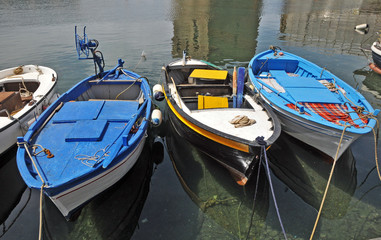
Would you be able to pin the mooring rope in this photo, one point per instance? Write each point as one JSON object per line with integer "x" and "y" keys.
{"x": 329, "y": 181}
{"x": 255, "y": 196}
{"x": 42, "y": 187}
{"x": 40, "y": 222}
{"x": 262, "y": 143}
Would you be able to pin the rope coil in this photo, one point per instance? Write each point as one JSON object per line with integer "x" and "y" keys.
{"x": 91, "y": 161}
{"x": 242, "y": 121}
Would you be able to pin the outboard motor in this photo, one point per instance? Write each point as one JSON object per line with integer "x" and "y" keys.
{"x": 85, "y": 46}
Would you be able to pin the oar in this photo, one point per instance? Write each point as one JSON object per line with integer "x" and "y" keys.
{"x": 292, "y": 100}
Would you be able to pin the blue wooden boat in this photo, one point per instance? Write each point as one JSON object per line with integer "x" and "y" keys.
{"x": 312, "y": 104}
{"x": 88, "y": 138}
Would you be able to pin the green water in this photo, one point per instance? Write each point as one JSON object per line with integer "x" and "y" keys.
{"x": 189, "y": 196}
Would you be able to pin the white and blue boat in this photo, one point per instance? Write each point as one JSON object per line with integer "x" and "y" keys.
{"x": 376, "y": 55}
{"x": 88, "y": 139}
{"x": 312, "y": 104}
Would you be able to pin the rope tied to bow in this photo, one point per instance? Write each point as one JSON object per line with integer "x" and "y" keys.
{"x": 260, "y": 140}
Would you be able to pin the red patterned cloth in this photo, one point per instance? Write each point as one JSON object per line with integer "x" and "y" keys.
{"x": 331, "y": 112}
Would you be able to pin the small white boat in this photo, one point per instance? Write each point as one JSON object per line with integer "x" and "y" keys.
{"x": 25, "y": 91}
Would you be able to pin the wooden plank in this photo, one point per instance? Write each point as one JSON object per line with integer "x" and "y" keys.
{"x": 209, "y": 74}
{"x": 207, "y": 102}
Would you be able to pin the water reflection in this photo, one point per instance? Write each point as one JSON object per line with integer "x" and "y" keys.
{"x": 111, "y": 215}
{"x": 329, "y": 24}
{"x": 305, "y": 171}
{"x": 216, "y": 29}
{"x": 12, "y": 187}
{"x": 371, "y": 81}
{"x": 211, "y": 187}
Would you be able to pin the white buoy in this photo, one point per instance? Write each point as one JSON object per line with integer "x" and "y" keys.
{"x": 158, "y": 92}
{"x": 362, "y": 26}
{"x": 156, "y": 117}
{"x": 143, "y": 56}
{"x": 362, "y": 32}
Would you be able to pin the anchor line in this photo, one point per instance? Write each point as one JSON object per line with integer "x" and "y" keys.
{"x": 262, "y": 143}
{"x": 328, "y": 183}
{"x": 255, "y": 196}
{"x": 41, "y": 190}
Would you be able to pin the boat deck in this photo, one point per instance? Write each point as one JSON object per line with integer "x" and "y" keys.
{"x": 74, "y": 134}
{"x": 219, "y": 120}
{"x": 301, "y": 89}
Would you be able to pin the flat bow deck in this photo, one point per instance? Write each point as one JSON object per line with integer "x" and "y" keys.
{"x": 82, "y": 129}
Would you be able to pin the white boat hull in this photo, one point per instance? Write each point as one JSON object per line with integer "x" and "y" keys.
{"x": 318, "y": 136}
{"x": 376, "y": 53}
{"x": 71, "y": 199}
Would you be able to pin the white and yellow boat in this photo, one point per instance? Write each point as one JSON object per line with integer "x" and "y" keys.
{"x": 218, "y": 114}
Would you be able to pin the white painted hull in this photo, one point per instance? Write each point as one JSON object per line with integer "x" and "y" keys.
{"x": 322, "y": 138}
{"x": 376, "y": 53}
{"x": 43, "y": 96}
{"x": 75, "y": 197}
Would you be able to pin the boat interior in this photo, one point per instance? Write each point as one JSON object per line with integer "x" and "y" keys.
{"x": 99, "y": 113}
{"x": 297, "y": 68}
{"x": 207, "y": 96}
{"x": 111, "y": 91}
{"x": 15, "y": 93}
{"x": 100, "y": 105}
{"x": 309, "y": 90}
{"x": 205, "y": 89}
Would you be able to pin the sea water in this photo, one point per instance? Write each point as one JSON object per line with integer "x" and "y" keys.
{"x": 187, "y": 195}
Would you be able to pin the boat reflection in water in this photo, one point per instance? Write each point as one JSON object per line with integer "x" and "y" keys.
{"x": 371, "y": 81}
{"x": 305, "y": 171}
{"x": 12, "y": 188}
{"x": 211, "y": 187}
{"x": 114, "y": 214}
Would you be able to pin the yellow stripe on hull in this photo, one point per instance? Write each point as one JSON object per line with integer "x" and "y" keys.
{"x": 212, "y": 136}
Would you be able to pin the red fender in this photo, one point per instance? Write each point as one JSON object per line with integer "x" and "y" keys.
{"x": 375, "y": 68}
